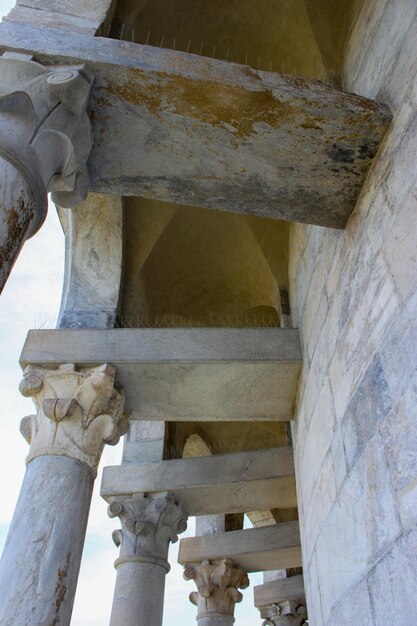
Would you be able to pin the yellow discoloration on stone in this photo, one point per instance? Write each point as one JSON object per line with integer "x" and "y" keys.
{"x": 229, "y": 107}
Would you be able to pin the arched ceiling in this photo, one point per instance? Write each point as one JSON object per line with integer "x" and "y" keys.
{"x": 191, "y": 266}
{"x": 304, "y": 37}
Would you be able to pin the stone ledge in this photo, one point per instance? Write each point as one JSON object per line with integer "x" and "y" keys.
{"x": 227, "y": 483}
{"x": 180, "y": 374}
{"x": 253, "y": 550}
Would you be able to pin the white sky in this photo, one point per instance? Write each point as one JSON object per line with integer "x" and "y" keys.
{"x": 31, "y": 300}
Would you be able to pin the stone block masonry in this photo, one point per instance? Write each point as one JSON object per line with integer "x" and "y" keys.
{"x": 354, "y": 298}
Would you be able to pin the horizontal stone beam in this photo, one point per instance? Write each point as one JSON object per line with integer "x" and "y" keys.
{"x": 279, "y": 590}
{"x": 254, "y": 549}
{"x": 191, "y": 130}
{"x": 175, "y": 374}
{"x": 227, "y": 483}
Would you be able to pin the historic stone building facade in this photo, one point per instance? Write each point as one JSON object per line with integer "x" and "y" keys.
{"x": 237, "y": 186}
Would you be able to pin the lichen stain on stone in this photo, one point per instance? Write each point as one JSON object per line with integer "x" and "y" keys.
{"x": 17, "y": 220}
{"x": 311, "y": 125}
{"x": 61, "y": 589}
{"x": 222, "y": 106}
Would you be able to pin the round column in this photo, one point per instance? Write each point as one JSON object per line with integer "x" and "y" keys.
{"x": 41, "y": 559}
{"x": 77, "y": 413}
{"x": 22, "y": 211}
{"x": 149, "y": 525}
{"x": 138, "y": 594}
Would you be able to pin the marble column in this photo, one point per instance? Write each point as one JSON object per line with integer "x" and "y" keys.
{"x": 78, "y": 411}
{"x": 288, "y": 613}
{"x": 45, "y": 140}
{"x": 149, "y": 525}
{"x": 218, "y": 582}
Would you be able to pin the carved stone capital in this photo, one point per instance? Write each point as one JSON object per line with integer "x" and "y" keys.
{"x": 218, "y": 582}
{"x": 78, "y": 412}
{"x": 45, "y": 132}
{"x": 288, "y": 613}
{"x": 149, "y": 524}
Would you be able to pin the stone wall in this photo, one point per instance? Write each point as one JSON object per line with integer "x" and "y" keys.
{"x": 354, "y": 298}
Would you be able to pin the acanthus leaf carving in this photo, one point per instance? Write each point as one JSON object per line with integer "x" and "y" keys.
{"x": 78, "y": 412}
{"x": 286, "y": 613}
{"x": 218, "y": 582}
{"x": 149, "y": 524}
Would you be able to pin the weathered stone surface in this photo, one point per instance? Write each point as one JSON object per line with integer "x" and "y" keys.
{"x": 287, "y": 613}
{"x": 312, "y": 588}
{"x": 225, "y": 373}
{"x": 354, "y": 605}
{"x": 400, "y": 249}
{"x": 366, "y": 346}
{"x": 372, "y": 63}
{"x": 209, "y": 524}
{"x": 149, "y": 525}
{"x": 252, "y": 113}
{"x": 369, "y": 505}
{"x": 254, "y": 549}
{"x": 93, "y": 263}
{"x": 398, "y": 355}
{"x": 82, "y": 15}
{"x": 317, "y": 441}
{"x": 44, "y": 125}
{"x": 45, "y": 139}
{"x": 393, "y": 583}
{"x": 319, "y": 505}
{"x": 144, "y": 442}
{"x": 19, "y": 216}
{"x": 253, "y": 481}
{"x": 78, "y": 412}
{"x": 369, "y": 405}
{"x": 365, "y": 305}
{"x": 41, "y": 559}
{"x": 399, "y": 433}
{"x": 339, "y": 458}
{"x": 279, "y": 590}
{"x": 218, "y": 582}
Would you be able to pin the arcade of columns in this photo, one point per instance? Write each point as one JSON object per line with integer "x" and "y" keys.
{"x": 67, "y": 101}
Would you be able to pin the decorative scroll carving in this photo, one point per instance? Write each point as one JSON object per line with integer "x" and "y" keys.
{"x": 149, "y": 525}
{"x": 45, "y": 131}
{"x": 217, "y": 582}
{"x": 78, "y": 411}
{"x": 288, "y": 613}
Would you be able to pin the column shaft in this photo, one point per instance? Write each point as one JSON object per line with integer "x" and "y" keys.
{"x": 41, "y": 559}
{"x": 138, "y": 595}
{"x": 19, "y": 213}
